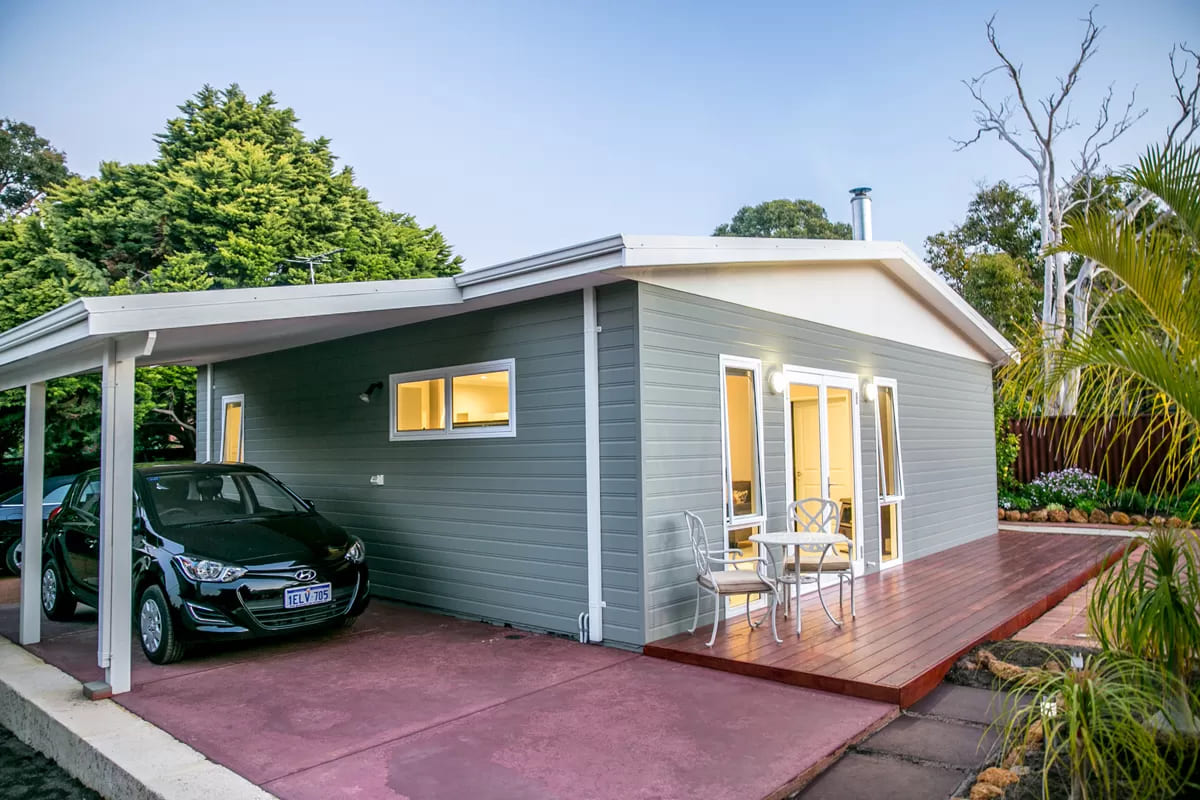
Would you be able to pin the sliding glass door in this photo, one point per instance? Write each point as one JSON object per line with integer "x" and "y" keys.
{"x": 822, "y": 432}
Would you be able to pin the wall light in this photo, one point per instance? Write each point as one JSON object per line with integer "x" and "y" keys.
{"x": 776, "y": 381}
{"x": 366, "y": 396}
{"x": 870, "y": 390}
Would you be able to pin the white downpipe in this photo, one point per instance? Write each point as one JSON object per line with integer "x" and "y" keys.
{"x": 591, "y": 435}
{"x": 208, "y": 418}
{"x": 31, "y": 524}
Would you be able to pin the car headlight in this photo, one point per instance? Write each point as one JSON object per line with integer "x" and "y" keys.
{"x": 206, "y": 569}
{"x": 356, "y": 552}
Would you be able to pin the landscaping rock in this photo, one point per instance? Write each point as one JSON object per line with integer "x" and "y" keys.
{"x": 1038, "y": 516}
{"x": 999, "y": 513}
{"x": 1098, "y": 517}
{"x": 1138, "y": 519}
{"x": 1174, "y": 522}
{"x": 1058, "y": 515}
{"x": 1077, "y": 515}
{"x": 1119, "y": 518}
{"x": 1012, "y": 516}
{"x": 985, "y": 791}
{"x": 997, "y": 777}
{"x": 1004, "y": 670}
{"x": 1158, "y": 521}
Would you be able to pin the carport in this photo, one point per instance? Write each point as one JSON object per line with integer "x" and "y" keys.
{"x": 113, "y": 335}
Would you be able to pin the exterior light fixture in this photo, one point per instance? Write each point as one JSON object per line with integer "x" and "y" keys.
{"x": 870, "y": 390}
{"x": 366, "y": 396}
{"x": 776, "y": 382}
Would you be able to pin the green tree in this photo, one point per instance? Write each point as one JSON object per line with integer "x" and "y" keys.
{"x": 784, "y": 219}
{"x": 991, "y": 259}
{"x": 28, "y": 167}
{"x": 236, "y": 191}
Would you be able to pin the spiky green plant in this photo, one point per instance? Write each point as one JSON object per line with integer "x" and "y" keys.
{"x": 1149, "y": 604}
{"x": 1094, "y": 716}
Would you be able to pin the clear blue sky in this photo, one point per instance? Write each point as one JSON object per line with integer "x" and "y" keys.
{"x": 517, "y": 127}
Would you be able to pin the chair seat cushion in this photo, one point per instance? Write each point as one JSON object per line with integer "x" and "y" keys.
{"x": 734, "y": 581}
{"x": 832, "y": 564}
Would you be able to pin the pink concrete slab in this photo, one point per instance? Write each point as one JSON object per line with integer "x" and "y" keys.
{"x": 283, "y": 711}
{"x": 642, "y": 728}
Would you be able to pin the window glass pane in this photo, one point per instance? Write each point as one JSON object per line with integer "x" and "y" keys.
{"x": 420, "y": 405}
{"x": 88, "y": 500}
{"x": 741, "y": 411}
{"x": 481, "y": 400}
{"x": 889, "y": 462}
{"x": 55, "y": 496}
{"x": 231, "y": 447}
{"x": 739, "y": 539}
{"x": 889, "y": 524}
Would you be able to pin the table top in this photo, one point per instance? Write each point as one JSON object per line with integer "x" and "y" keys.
{"x": 795, "y": 538}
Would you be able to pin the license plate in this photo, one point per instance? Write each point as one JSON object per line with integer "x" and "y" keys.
{"x": 300, "y": 596}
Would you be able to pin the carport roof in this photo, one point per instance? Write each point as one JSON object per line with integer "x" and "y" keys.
{"x": 207, "y": 326}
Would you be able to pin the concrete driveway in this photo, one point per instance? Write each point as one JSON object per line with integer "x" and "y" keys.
{"x": 415, "y": 705}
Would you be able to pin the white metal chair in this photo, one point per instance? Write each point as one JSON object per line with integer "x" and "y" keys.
{"x": 722, "y": 582}
{"x": 816, "y": 515}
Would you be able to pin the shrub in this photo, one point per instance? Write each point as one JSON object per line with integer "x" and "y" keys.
{"x": 1008, "y": 446}
{"x": 1087, "y": 505}
{"x": 1010, "y": 497}
{"x": 1067, "y": 486}
{"x": 1131, "y": 501}
{"x": 1022, "y": 503}
{"x": 1055, "y": 507}
{"x": 1093, "y": 715}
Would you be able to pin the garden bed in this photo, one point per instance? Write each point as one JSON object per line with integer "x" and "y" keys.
{"x": 1024, "y": 779}
{"x": 1075, "y": 496}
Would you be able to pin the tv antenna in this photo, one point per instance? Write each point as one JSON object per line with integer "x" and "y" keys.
{"x": 312, "y": 261}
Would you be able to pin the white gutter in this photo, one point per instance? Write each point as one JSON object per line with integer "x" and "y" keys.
{"x": 591, "y": 436}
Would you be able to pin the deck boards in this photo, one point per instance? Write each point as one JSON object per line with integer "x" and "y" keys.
{"x": 913, "y": 621}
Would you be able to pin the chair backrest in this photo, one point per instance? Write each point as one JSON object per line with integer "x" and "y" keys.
{"x": 814, "y": 515}
{"x": 699, "y": 543}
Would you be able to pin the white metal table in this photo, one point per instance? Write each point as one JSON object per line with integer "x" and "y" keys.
{"x": 794, "y": 540}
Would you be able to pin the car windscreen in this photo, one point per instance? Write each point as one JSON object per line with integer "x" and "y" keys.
{"x": 186, "y": 498}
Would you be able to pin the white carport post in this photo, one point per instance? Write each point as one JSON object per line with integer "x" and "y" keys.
{"x": 31, "y": 522}
{"x": 116, "y": 515}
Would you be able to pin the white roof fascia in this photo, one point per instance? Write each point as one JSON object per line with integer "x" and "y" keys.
{"x": 902, "y": 263}
{"x": 550, "y": 267}
{"x": 131, "y": 313}
{"x": 61, "y": 327}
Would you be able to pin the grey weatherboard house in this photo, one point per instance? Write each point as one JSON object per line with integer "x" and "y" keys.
{"x": 543, "y": 423}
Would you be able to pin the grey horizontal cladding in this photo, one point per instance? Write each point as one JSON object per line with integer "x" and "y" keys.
{"x": 490, "y": 528}
{"x": 947, "y": 445}
{"x": 620, "y": 464}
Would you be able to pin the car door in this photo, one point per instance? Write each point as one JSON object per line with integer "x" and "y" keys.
{"x": 79, "y": 524}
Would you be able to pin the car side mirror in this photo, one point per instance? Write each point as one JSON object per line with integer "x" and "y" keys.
{"x": 311, "y": 505}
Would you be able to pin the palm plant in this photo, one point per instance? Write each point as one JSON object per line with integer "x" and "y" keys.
{"x": 1142, "y": 353}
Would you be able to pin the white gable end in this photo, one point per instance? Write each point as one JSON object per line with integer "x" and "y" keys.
{"x": 857, "y": 296}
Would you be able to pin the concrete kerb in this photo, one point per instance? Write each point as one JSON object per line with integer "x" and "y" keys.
{"x": 101, "y": 744}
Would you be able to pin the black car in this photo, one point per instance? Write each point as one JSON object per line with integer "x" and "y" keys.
{"x": 12, "y": 511}
{"x": 221, "y": 551}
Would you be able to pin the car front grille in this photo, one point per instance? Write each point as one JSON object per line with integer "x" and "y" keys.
{"x": 267, "y": 609}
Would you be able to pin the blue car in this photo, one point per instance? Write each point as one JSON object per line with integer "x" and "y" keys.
{"x": 12, "y": 510}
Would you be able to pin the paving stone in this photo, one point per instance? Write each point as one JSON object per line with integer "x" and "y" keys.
{"x": 962, "y": 702}
{"x": 862, "y": 776}
{"x": 934, "y": 740}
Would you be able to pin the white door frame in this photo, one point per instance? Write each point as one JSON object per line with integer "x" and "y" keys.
{"x": 896, "y": 500}
{"x": 823, "y": 379}
{"x": 728, "y": 520}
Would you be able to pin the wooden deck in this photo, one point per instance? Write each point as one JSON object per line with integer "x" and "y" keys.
{"x": 913, "y": 621}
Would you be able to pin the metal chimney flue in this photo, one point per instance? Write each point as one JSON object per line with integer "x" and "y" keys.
{"x": 860, "y": 212}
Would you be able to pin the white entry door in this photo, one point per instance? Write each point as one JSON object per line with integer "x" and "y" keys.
{"x": 823, "y": 445}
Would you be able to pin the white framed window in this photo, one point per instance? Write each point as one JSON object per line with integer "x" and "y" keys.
{"x": 233, "y": 433}
{"x": 469, "y": 400}
{"x": 887, "y": 424}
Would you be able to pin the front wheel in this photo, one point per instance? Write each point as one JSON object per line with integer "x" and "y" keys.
{"x": 12, "y": 557}
{"x": 57, "y": 601}
{"x": 156, "y": 628}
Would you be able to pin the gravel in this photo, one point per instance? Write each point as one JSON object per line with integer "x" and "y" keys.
{"x": 26, "y": 774}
